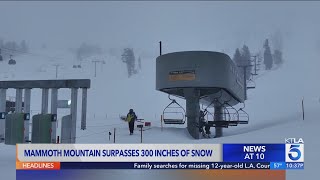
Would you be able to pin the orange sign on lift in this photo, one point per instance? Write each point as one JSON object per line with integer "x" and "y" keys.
{"x": 185, "y": 75}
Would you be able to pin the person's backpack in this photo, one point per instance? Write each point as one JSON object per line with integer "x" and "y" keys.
{"x": 130, "y": 117}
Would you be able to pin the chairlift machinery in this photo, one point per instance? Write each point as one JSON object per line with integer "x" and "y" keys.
{"x": 233, "y": 117}
{"x": 228, "y": 117}
{"x": 206, "y": 78}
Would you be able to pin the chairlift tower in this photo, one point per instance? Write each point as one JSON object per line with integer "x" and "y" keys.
{"x": 255, "y": 64}
{"x": 245, "y": 79}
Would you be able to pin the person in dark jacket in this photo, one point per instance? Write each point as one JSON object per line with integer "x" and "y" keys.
{"x": 131, "y": 118}
{"x": 204, "y": 124}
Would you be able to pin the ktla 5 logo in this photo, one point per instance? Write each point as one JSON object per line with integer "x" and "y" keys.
{"x": 294, "y": 152}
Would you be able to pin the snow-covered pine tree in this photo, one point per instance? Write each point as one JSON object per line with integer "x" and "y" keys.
{"x": 277, "y": 43}
{"x": 129, "y": 58}
{"x": 139, "y": 63}
{"x": 246, "y": 60}
{"x": 23, "y": 46}
{"x": 1, "y": 43}
{"x": 268, "y": 60}
{"x": 237, "y": 57}
{"x": 277, "y": 57}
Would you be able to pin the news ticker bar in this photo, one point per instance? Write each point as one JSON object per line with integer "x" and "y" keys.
{"x": 160, "y": 165}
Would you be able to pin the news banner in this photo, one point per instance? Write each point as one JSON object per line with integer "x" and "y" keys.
{"x": 289, "y": 155}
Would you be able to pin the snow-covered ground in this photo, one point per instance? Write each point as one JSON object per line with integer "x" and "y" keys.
{"x": 274, "y": 106}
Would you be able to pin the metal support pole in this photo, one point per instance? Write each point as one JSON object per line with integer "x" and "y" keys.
{"x": 192, "y": 111}
{"x": 56, "y": 72}
{"x": 114, "y": 135}
{"x": 54, "y": 101}
{"x": 18, "y": 108}
{"x": 255, "y": 65}
{"x": 54, "y": 110}
{"x": 141, "y": 133}
{"x": 84, "y": 109}
{"x": 302, "y": 109}
{"x": 218, "y": 116}
{"x": 160, "y": 43}
{"x": 95, "y": 67}
{"x": 161, "y": 123}
{"x": 45, "y": 101}
{"x": 245, "y": 82}
{"x": 74, "y": 97}
{"x": 3, "y": 94}
{"x": 57, "y": 66}
{"x": 27, "y": 101}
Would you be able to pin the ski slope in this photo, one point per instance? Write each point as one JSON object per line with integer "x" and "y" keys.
{"x": 274, "y": 106}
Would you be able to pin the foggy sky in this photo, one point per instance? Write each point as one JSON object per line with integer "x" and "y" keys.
{"x": 221, "y": 26}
